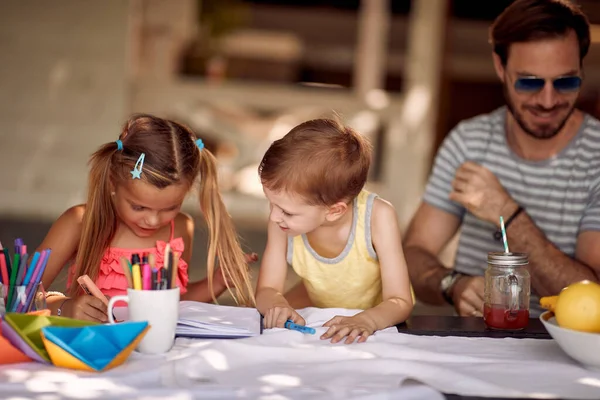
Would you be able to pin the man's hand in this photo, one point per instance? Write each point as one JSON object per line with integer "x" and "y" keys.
{"x": 480, "y": 192}
{"x": 467, "y": 295}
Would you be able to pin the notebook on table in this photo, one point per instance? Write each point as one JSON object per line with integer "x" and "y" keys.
{"x": 210, "y": 321}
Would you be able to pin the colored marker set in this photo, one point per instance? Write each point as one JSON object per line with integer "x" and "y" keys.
{"x": 142, "y": 274}
{"x": 20, "y": 279}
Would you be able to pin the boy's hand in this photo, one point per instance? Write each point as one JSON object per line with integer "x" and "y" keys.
{"x": 277, "y": 316}
{"x": 85, "y": 307}
{"x": 357, "y": 326}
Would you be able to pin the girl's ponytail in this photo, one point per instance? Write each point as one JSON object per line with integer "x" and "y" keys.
{"x": 224, "y": 245}
{"x": 99, "y": 220}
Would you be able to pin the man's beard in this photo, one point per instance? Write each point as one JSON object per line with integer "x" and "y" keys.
{"x": 544, "y": 133}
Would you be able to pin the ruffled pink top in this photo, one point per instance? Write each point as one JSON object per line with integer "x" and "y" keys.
{"x": 112, "y": 281}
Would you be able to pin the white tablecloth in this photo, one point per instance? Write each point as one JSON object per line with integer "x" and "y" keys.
{"x": 283, "y": 364}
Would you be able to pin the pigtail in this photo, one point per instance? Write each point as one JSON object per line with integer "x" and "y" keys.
{"x": 224, "y": 244}
{"x": 99, "y": 220}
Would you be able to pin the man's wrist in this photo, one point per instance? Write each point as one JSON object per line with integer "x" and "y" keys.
{"x": 447, "y": 285}
{"x": 509, "y": 208}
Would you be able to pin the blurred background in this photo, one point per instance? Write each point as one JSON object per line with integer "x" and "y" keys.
{"x": 241, "y": 73}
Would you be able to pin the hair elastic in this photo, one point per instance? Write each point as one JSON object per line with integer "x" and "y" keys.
{"x": 119, "y": 144}
{"x": 137, "y": 168}
{"x": 200, "y": 144}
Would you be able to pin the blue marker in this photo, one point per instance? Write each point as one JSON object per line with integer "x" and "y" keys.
{"x": 304, "y": 329}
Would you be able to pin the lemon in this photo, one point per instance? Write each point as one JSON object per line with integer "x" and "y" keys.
{"x": 578, "y": 307}
{"x": 549, "y": 302}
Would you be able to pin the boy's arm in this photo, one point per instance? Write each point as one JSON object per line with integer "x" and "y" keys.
{"x": 273, "y": 271}
{"x": 397, "y": 299}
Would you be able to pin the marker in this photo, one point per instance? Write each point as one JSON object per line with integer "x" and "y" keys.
{"x": 154, "y": 279}
{"x": 127, "y": 271}
{"x": 174, "y": 269}
{"x": 289, "y": 324}
{"x": 146, "y": 277}
{"x": 137, "y": 276}
{"x": 32, "y": 265}
{"x": 13, "y": 279}
{"x": 135, "y": 258}
{"x": 90, "y": 288}
{"x": 3, "y": 269}
{"x": 35, "y": 279}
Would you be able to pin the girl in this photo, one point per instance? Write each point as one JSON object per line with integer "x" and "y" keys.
{"x": 137, "y": 185}
{"x": 343, "y": 241}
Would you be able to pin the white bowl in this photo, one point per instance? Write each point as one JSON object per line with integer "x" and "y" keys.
{"x": 581, "y": 346}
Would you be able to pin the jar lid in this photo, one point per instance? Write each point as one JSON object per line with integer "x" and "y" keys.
{"x": 508, "y": 259}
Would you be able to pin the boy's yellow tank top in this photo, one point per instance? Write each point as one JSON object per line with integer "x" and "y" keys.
{"x": 350, "y": 280}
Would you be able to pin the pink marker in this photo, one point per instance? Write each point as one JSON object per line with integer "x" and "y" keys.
{"x": 146, "y": 277}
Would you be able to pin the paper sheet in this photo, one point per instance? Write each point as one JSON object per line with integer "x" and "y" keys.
{"x": 283, "y": 364}
{"x": 208, "y": 319}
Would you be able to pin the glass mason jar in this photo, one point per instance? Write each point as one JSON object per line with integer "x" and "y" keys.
{"x": 507, "y": 291}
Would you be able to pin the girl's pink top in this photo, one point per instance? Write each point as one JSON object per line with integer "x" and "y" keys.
{"x": 111, "y": 279}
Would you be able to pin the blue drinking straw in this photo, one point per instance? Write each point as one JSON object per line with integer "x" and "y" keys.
{"x": 504, "y": 235}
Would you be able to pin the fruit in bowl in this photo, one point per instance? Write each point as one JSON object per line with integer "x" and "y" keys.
{"x": 576, "y": 307}
{"x": 580, "y": 346}
{"x": 573, "y": 321}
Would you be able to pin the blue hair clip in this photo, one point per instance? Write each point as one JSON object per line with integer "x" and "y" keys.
{"x": 137, "y": 168}
{"x": 200, "y": 144}
{"x": 119, "y": 144}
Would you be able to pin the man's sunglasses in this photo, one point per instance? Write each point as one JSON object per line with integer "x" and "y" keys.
{"x": 532, "y": 84}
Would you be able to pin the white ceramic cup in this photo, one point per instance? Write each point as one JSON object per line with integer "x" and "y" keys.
{"x": 160, "y": 308}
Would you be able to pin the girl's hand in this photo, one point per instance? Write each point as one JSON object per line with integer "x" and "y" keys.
{"x": 251, "y": 258}
{"x": 85, "y": 307}
{"x": 357, "y": 326}
{"x": 277, "y": 316}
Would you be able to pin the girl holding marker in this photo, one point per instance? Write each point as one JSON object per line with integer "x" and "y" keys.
{"x": 137, "y": 185}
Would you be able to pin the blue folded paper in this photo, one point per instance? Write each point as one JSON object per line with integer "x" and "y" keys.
{"x": 96, "y": 346}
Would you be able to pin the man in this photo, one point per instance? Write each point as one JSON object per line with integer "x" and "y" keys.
{"x": 535, "y": 162}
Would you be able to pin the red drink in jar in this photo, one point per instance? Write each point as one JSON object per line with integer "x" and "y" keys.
{"x": 507, "y": 291}
{"x": 500, "y": 317}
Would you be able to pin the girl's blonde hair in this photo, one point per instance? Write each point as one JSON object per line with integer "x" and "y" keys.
{"x": 171, "y": 157}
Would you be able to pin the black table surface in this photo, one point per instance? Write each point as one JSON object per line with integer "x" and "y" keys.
{"x": 435, "y": 325}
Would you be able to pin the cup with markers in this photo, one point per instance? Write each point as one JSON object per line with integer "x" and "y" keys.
{"x": 21, "y": 290}
{"x": 153, "y": 296}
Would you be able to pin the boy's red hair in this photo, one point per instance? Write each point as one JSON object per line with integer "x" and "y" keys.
{"x": 321, "y": 160}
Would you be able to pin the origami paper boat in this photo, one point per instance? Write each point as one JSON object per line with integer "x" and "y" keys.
{"x": 24, "y": 332}
{"x": 93, "y": 348}
{"x": 9, "y": 354}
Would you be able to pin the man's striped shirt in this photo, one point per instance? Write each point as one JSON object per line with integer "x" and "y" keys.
{"x": 560, "y": 194}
